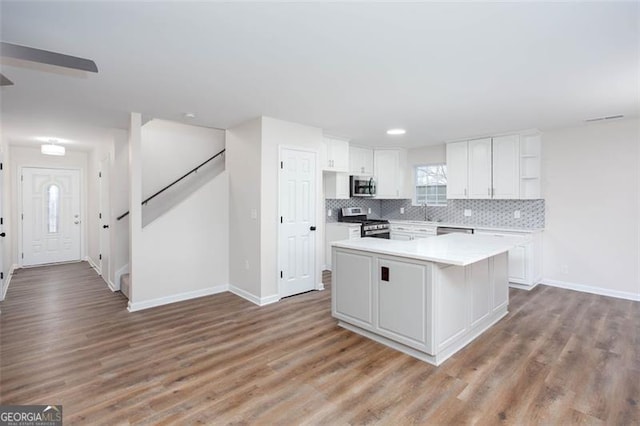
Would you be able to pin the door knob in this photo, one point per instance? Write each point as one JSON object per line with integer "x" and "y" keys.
{"x": 76, "y": 222}
{"x": 3, "y": 234}
{"x": 105, "y": 226}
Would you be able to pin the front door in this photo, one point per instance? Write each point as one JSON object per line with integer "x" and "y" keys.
{"x": 297, "y": 221}
{"x": 50, "y": 216}
{"x": 104, "y": 217}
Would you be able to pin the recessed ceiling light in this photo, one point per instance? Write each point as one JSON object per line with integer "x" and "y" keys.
{"x": 189, "y": 115}
{"x": 396, "y": 131}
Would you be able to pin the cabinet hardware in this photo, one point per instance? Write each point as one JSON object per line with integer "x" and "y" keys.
{"x": 384, "y": 273}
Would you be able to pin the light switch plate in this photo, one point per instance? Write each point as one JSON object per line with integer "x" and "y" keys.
{"x": 467, "y": 212}
{"x": 369, "y": 210}
{"x": 516, "y": 214}
{"x": 329, "y": 212}
{"x": 254, "y": 213}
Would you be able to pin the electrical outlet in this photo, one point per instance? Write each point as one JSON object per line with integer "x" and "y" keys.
{"x": 246, "y": 264}
{"x": 329, "y": 212}
{"x": 254, "y": 213}
{"x": 401, "y": 210}
{"x": 516, "y": 214}
{"x": 564, "y": 268}
{"x": 369, "y": 210}
{"x": 467, "y": 212}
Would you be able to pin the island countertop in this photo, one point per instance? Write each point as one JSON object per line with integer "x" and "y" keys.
{"x": 453, "y": 249}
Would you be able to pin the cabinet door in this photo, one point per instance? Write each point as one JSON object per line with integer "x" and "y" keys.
{"x": 402, "y": 296}
{"x": 400, "y": 236}
{"x": 336, "y": 155}
{"x": 385, "y": 164}
{"x": 518, "y": 264}
{"x": 387, "y": 173}
{"x": 457, "y": 164}
{"x": 360, "y": 161}
{"x": 506, "y": 167}
{"x": 353, "y": 289}
{"x": 480, "y": 168}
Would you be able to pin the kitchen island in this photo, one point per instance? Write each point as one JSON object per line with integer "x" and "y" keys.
{"x": 428, "y": 297}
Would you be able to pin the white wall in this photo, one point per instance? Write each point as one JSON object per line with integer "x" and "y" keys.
{"x": 592, "y": 188}
{"x": 184, "y": 253}
{"x": 243, "y": 164}
{"x": 5, "y": 199}
{"x": 22, "y": 156}
{"x": 276, "y": 134}
{"x": 171, "y": 149}
{"x": 119, "y": 193}
{"x": 253, "y": 150}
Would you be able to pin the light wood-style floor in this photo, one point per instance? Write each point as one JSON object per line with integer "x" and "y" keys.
{"x": 559, "y": 357}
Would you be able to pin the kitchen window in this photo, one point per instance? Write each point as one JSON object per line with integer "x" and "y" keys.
{"x": 431, "y": 185}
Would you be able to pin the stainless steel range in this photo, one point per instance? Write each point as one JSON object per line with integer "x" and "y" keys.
{"x": 377, "y": 228}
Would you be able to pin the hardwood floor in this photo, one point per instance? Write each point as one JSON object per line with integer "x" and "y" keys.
{"x": 559, "y": 357}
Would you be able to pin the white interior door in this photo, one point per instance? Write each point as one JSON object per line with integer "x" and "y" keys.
{"x": 104, "y": 218}
{"x": 50, "y": 216}
{"x": 297, "y": 221}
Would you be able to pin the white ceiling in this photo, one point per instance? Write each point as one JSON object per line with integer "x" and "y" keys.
{"x": 442, "y": 71}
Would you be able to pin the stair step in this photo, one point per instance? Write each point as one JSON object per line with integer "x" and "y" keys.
{"x": 125, "y": 284}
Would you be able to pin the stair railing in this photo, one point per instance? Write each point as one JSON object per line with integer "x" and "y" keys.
{"x": 194, "y": 170}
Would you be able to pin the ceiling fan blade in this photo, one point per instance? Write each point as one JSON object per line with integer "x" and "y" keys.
{"x": 4, "y": 81}
{"x": 16, "y": 51}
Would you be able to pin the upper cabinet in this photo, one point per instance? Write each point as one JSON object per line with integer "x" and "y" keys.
{"x": 360, "y": 161}
{"x": 336, "y": 158}
{"x": 502, "y": 167}
{"x": 390, "y": 165}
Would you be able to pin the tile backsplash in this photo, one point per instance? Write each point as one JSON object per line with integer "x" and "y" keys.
{"x": 499, "y": 213}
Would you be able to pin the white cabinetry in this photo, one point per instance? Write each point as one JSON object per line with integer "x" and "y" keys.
{"x": 336, "y": 185}
{"x": 525, "y": 260}
{"x": 389, "y": 165}
{"x": 336, "y": 156}
{"x": 479, "y": 168}
{"x": 338, "y": 231}
{"x": 457, "y": 170}
{"x": 502, "y": 167}
{"x": 530, "y": 166}
{"x": 411, "y": 231}
{"x": 427, "y": 310}
{"x": 360, "y": 161}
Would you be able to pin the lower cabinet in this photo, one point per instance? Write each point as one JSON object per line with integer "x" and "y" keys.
{"x": 402, "y": 301}
{"x": 408, "y": 232}
{"x": 429, "y": 310}
{"x": 525, "y": 260}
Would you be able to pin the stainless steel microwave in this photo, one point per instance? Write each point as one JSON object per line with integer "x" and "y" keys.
{"x": 362, "y": 186}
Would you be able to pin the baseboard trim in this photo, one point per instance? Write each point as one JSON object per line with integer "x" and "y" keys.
{"x": 118, "y": 276}
{"x": 8, "y": 281}
{"x": 110, "y": 285}
{"x": 93, "y": 264}
{"x": 593, "y": 290}
{"x": 320, "y": 286}
{"x": 147, "y": 304}
{"x": 260, "y": 301}
{"x": 524, "y": 287}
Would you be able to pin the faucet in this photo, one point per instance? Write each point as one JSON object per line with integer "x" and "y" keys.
{"x": 424, "y": 209}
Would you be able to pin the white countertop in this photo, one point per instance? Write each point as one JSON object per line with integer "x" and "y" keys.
{"x": 453, "y": 249}
{"x": 345, "y": 224}
{"x": 459, "y": 225}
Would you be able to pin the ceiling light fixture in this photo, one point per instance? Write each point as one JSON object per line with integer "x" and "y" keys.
{"x": 189, "y": 116}
{"x": 52, "y": 149}
{"x": 396, "y": 132}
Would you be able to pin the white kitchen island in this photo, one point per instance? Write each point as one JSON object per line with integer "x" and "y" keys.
{"x": 427, "y": 297}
